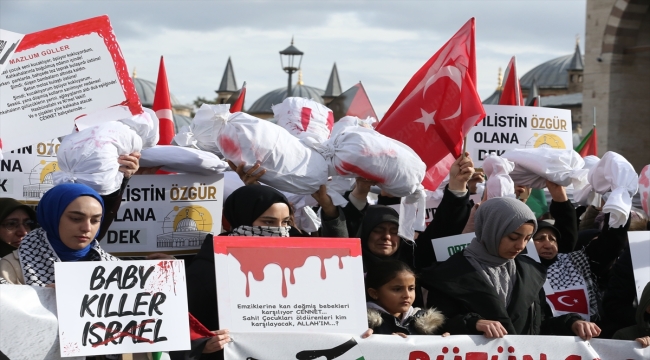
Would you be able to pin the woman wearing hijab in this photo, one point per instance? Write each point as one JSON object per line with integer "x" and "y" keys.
{"x": 16, "y": 220}
{"x": 489, "y": 289}
{"x": 253, "y": 210}
{"x": 70, "y": 216}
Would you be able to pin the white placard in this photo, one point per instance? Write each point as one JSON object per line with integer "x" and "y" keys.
{"x": 58, "y": 74}
{"x": 26, "y": 173}
{"x": 9, "y": 41}
{"x": 447, "y": 246}
{"x": 518, "y": 127}
{"x": 290, "y": 284}
{"x": 166, "y": 213}
{"x": 117, "y": 307}
{"x": 640, "y": 251}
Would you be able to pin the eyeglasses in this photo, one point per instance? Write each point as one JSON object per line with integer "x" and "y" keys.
{"x": 12, "y": 225}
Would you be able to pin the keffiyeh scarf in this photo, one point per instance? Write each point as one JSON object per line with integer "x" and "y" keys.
{"x": 272, "y": 231}
{"x": 573, "y": 269}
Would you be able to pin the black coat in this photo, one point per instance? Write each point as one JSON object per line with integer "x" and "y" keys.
{"x": 464, "y": 297}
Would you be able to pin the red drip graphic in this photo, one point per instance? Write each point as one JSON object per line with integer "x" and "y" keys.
{"x": 254, "y": 260}
{"x": 165, "y": 275}
{"x": 102, "y": 27}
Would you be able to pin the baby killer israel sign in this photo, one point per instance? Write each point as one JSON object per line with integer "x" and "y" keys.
{"x": 26, "y": 173}
{"x": 59, "y": 74}
{"x": 290, "y": 284}
{"x": 166, "y": 213}
{"x": 115, "y": 307}
{"x": 519, "y": 127}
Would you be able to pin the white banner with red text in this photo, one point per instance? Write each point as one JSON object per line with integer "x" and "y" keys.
{"x": 302, "y": 346}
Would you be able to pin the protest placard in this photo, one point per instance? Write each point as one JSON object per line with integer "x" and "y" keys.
{"x": 170, "y": 214}
{"x": 9, "y": 41}
{"x": 59, "y": 74}
{"x": 26, "y": 173}
{"x": 518, "y": 127}
{"x": 290, "y": 284}
{"x": 116, "y": 307}
{"x": 639, "y": 249}
{"x": 445, "y": 247}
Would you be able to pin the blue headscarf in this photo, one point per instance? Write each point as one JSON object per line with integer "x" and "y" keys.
{"x": 51, "y": 208}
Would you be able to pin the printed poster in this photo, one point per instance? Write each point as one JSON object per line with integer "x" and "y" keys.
{"x": 170, "y": 214}
{"x": 117, "y": 307}
{"x": 8, "y": 43}
{"x": 290, "y": 284}
{"x": 59, "y": 74}
{"x": 26, "y": 173}
{"x": 519, "y": 127}
{"x": 640, "y": 251}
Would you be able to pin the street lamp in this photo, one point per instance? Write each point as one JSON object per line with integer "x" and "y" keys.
{"x": 287, "y": 56}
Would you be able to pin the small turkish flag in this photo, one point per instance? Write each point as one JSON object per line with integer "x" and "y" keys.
{"x": 574, "y": 300}
{"x": 439, "y": 105}
{"x": 511, "y": 94}
{"x": 162, "y": 105}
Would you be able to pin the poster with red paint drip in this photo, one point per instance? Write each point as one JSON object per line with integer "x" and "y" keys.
{"x": 59, "y": 74}
{"x": 118, "y": 307}
{"x": 290, "y": 284}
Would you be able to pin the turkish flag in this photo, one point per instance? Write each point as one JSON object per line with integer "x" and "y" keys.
{"x": 162, "y": 105}
{"x": 239, "y": 97}
{"x": 573, "y": 300}
{"x": 511, "y": 93}
{"x": 439, "y": 105}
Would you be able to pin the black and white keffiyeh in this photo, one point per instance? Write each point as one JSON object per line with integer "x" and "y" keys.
{"x": 570, "y": 270}
{"x": 37, "y": 258}
{"x": 272, "y": 231}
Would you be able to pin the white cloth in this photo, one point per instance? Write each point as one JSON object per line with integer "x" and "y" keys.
{"x": 183, "y": 160}
{"x": 202, "y": 132}
{"x": 346, "y": 121}
{"x": 614, "y": 173}
{"x": 90, "y": 156}
{"x": 534, "y": 166}
{"x": 290, "y": 165}
{"x": 644, "y": 189}
{"x": 587, "y": 195}
{"x": 499, "y": 183}
{"x": 304, "y": 118}
{"x": 145, "y": 124}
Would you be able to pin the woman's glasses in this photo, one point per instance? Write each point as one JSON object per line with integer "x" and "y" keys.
{"x": 12, "y": 225}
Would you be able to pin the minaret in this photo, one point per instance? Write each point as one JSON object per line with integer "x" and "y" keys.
{"x": 228, "y": 84}
{"x": 333, "y": 88}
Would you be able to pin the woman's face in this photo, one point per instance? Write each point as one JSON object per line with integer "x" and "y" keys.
{"x": 515, "y": 242}
{"x": 80, "y": 222}
{"x": 15, "y": 226}
{"x": 383, "y": 240}
{"x": 277, "y": 215}
{"x": 397, "y": 295}
{"x": 546, "y": 243}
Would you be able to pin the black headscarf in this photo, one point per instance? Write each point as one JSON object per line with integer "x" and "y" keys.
{"x": 247, "y": 203}
{"x": 375, "y": 215}
{"x": 7, "y": 206}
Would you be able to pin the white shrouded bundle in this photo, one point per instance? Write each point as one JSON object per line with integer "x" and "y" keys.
{"x": 183, "y": 160}
{"x": 352, "y": 121}
{"x": 290, "y": 166}
{"x": 587, "y": 195}
{"x": 534, "y": 166}
{"x": 614, "y": 173}
{"x": 90, "y": 156}
{"x": 499, "y": 182}
{"x": 202, "y": 132}
{"x": 304, "y": 118}
{"x": 145, "y": 124}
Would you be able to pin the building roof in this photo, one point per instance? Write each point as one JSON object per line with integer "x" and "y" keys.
{"x": 494, "y": 98}
{"x": 333, "y": 88}
{"x": 553, "y": 73}
{"x": 574, "y": 99}
{"x": 147, "y": 90}
{"x": 264, "y": 103}
{"x": 228, "y": 82}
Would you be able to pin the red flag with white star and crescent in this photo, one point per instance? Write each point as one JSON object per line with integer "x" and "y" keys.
{"x": 162, "y": 105}
{"x": 439, "y": 105}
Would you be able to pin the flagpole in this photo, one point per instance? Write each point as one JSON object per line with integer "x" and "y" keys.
{"x": 464, "y": 145}
{"x": 594, "y": 116}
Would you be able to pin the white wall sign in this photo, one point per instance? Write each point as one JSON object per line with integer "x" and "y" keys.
{"x": 290, "y": 284}
{"x": 518, "y": 127}
{"x": 116, "y": 307}
{"x": 166, "y": 213}
{"x": 640, "y": 251}
{"x": 58, "y": 74}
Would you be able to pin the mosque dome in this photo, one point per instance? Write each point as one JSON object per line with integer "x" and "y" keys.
{"x": 264, "y": 103}
{"x": 147, "y": 90}
{"x": 553, "y": 73}
{"x": 186, "y": 224}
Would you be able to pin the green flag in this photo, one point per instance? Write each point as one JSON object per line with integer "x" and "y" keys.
{"x": 537, "y": 202}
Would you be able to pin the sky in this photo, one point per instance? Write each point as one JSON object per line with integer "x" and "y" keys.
{"x": 380, "y": 43}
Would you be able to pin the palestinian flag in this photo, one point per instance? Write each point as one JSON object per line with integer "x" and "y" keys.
{"x": 353, "y": 102}
{"x": 589, "y": 144}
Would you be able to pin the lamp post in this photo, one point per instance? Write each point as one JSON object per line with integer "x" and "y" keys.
{"x": 288, "y": 61}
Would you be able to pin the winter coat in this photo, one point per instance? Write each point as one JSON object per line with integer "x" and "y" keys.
{"x": 450, "y": 219}
{"x": 420, "y": 322}
{"x": 642, "y": 327}
{"x": 464, "y": 297}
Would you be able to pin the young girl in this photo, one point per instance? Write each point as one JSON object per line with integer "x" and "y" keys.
{"x": 390, "y": 287}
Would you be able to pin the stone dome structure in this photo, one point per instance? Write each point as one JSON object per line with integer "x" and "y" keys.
{"x": 264, "y": 103}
